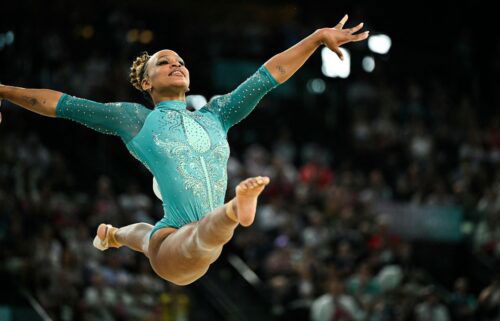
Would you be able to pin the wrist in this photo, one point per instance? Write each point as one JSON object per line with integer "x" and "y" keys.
{"x": 4, "y": 91}
{"x": 319, "y": 36}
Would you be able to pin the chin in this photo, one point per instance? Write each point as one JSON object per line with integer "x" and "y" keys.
{"x": 181, "y": 86}
{"x": 179, "y": 83}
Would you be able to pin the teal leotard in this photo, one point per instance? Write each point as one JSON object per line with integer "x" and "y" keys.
{"x": 186, "y": 151}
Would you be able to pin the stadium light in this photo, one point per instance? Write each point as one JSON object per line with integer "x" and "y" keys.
{"x": 379, "y": 43}
{"x": 9, "y": 38}
{"x": 368, "y": 63}
{"x": 196, "y": 101}
{"x": 146, "y": 36}
{"x": 88, "y": 31}
{"x": 132, "y": 35}
{"x": 316, "y": 86}
{"x": 332, "y": 65}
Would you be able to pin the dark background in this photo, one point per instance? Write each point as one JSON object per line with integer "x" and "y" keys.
{"x": 438, "y": 84}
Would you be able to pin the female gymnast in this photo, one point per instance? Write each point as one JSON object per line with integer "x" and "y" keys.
{"x": 186, "y": 151}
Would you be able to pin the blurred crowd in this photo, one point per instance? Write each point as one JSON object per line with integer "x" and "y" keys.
{"x": 46, "y": 237}
{"x": 318, "y": 244}
{"x": 321, "y": 246}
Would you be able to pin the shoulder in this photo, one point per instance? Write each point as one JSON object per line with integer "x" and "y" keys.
{"x": 209, "y": 112}
{"x": 217, "y": 102}
{"x": 131, "y": 109}
{"x": 128, "y": 105}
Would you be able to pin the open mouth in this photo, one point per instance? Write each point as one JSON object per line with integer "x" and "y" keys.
{"x": 176, "y": 73}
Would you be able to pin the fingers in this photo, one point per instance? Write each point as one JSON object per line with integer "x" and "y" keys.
{"x": 354, "y": 38}
{"x": 355, "y": 29}
{"x": 342, "y": 22}
{"x": 338, "y": 52}
{"x": 360, "y": 36}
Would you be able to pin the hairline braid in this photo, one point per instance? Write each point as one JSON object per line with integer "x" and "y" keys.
{"x": 138, "y": 70}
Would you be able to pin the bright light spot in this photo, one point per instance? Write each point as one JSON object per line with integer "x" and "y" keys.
{"x": 132, "y": 35}
{"x": 146, "y": 36}
{"x": 333, "y": 66}
{"x": 156, "y": 189}
{"x": 87, "y": 31}
{"x": 196, "y": 101}
{"x": 316, "y": 86}
{"x": 379, "y": 43}
{"x": 9, "y": 37}
{"x": 368, "y": 63}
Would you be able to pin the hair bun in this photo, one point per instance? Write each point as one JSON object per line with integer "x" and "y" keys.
{"x": 136, "y": 71}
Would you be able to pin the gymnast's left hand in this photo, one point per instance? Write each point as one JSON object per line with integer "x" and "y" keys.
{"x": 335, "y": 37}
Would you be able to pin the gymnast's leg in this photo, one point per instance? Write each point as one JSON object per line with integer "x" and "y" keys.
{"x": 183, "y": 256}
{"x": 134, "y": 236}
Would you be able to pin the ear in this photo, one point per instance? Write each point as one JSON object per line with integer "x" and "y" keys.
{"x": 146, "y": 84}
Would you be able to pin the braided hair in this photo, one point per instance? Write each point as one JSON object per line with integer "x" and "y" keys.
{"x": 138, "y": 72}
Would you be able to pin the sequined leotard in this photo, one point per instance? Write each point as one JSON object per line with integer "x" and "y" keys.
{"x": 186, "y": 151}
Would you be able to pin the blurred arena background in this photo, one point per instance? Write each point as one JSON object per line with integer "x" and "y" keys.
{"x": 385, "y": 177}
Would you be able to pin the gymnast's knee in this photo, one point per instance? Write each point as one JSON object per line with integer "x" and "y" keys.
{"x": 183, "y": 280}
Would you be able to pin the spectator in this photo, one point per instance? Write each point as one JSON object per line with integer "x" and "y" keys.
{"x": 336, "y": 305}
{"x": 489, "y": 302}
{"x": 462, "y": 303}
{"x": 431, "y": 309}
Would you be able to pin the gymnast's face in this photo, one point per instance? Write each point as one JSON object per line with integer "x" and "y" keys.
{"x": 165, "y": 70}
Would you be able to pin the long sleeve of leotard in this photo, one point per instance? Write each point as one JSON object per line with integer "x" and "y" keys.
{"x": 235, "y": 106}
{"x": 120, "y": 119}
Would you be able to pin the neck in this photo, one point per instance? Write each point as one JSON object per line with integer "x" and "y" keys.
{"x": 166, "y": 96}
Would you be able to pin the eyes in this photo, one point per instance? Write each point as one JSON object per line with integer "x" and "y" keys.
{"x": 165, "y": 62}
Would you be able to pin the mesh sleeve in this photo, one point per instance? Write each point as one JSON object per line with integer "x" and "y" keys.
{"x": 235, "y": 106}
{"x": 120, "y": 119}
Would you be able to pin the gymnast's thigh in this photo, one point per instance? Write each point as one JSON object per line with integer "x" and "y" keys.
{"x": 176, "y": 256}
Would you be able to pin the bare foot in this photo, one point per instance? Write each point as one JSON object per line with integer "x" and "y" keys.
{"x": 105, "y": 237}
{"x": 246, "y": 198}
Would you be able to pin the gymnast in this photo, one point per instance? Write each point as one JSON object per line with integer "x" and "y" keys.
{"x": 186, "y": 151}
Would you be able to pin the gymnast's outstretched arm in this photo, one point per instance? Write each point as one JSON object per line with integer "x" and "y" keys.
{"x": 235, "y": 106}
{"x": 120, "y": 119}
{"x": 283, "y": 65}
{"x": 40, "y": 101}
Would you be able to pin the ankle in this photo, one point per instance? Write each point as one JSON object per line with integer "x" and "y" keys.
{"x": 231, "y": 210}
{"x": 112, "y": 237}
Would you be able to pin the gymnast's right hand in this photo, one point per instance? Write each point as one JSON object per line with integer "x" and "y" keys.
{"x": 335, "y": 37}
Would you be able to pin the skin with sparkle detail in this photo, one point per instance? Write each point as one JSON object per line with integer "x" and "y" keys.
{"x": 186, "y": 151}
